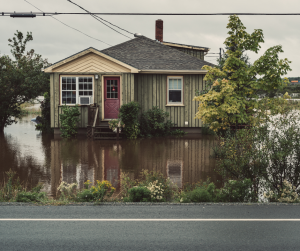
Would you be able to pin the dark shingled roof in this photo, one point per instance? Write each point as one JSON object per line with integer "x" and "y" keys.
{"x": 147, "y": 54}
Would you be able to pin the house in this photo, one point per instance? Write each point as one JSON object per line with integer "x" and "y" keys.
{"x": 151, "y": 72}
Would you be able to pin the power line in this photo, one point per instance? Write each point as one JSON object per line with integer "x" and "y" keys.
{"x": 69, "y": 25}
{"x": 153, "y": 14}
{"x": 99, "y": 19}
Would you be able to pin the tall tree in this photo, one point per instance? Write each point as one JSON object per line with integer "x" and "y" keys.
{"x": 21, "y": 78}
{"x": 233, "y": 94}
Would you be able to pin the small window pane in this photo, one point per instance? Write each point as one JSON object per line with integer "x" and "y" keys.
{"x": 85, "y": 80}
{"x": 108, "y": 95}
{"x": 73, "y": 80}
{"x": 64, "y": 80}
{"x": 73, "y": 100}
{"x": 64, "y": 87}
{"x": 73, "y": 86}
{"x": 80, "y": 86}
{"x": 64, "y": 100}
{"x": 85, "y": 86}
{"x": 69, "y": 87}
{"x": 179, "y": 84}
{"x": 80, "y": 79}
{"x": 80, "y": 93}
{"x": 90, "y": 87}
{"x": 69, "y": 94}
{"x": 171, "y": 84}
{"x": 63, "y": 94}
{"x": 90, "y": 80}
{"x": 90, "y": 93}
{"x": 175, "y": 96}
{"x": 69, "y": 100}
{"x": 69, "y": 80}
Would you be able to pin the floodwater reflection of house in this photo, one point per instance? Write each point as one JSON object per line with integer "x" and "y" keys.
{"x": 183, "y": 160}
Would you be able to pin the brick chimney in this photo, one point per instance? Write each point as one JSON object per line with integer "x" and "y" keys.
{"x": 159, "y": 30}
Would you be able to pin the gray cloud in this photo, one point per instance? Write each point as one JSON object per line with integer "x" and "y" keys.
{"x": 55, "y": 41}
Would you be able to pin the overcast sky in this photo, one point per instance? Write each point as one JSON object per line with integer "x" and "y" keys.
{"x": 55, "y": 41}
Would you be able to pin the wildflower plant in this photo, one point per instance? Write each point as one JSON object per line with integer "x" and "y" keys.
{"x": 67, "y": 191}
{"x": 286, "y": 194}
{"x": 98, "y": 193}
{"x": 157, "y": 191}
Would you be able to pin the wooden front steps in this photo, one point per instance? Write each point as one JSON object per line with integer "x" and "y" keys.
{"x": 103, "y": 132}
{"x": 99, "y": 129}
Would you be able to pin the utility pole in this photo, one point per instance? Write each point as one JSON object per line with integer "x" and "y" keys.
{"x": 220, "y": 54}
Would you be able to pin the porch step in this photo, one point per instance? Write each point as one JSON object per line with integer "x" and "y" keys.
{"x": 103, "y": 138}
{"x": 111, "y": 133}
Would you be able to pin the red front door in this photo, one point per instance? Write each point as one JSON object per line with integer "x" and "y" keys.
{"x": 111, "y": 97}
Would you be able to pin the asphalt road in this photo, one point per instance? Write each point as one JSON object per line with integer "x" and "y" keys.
{"x": 159, "y": 227}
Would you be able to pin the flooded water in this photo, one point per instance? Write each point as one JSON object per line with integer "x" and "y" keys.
{"x": 41, "y": 158}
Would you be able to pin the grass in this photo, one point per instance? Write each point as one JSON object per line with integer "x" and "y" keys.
{"x": 25, "y": 111}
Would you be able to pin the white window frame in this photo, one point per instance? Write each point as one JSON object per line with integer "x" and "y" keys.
{"x": 77, "y": 88}
{"x": 182, "y": 84}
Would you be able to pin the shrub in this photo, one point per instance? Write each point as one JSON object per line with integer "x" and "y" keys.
{"x": 97, "y": 193}
{"x": 157, "y": 184}
{"x": 154, "y": 123}
{"x": 286, "y": 194}
{"x": 129, "y": 115}
{"x": 69, "y": 121}
{"x": 236, "y": 191}
{"x": 31, "y": 196}
{"x": 139, "y": 194}
{"x": 200, "y": 195}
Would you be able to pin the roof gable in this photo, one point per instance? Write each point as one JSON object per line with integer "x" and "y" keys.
{"x": 90, "y": 60}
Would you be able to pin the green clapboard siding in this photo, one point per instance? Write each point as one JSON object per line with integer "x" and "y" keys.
{"x": 128, "y": 91}
{"x": 151, "y": 90}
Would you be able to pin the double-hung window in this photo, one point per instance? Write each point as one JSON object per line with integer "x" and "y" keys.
{"x": 175, "y": 90}
{"x": 74, "y": 89}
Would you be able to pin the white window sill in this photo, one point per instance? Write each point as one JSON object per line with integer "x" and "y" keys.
{"x": 175, "y": 105}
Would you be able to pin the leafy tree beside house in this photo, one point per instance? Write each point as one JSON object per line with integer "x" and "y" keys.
{"x": 232, "y": 98}
{"x": 21, "y": 78}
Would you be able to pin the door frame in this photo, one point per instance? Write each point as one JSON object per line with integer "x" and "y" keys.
{"x": 103, "y": 92}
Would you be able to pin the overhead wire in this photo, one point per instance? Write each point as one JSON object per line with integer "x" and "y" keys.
{"x": 70, "y": 26}
{"x": 101, "y": 19}
{"x": 159, "y": 14}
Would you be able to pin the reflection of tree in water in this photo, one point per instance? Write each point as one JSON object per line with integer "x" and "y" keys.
{"x": 25, "y": 167}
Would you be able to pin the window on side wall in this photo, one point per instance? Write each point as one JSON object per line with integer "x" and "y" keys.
{"x": 77, "y": 90}
{"x": 175, "y": 90}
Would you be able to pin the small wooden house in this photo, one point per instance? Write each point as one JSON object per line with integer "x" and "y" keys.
{"x": 151, "y": 72}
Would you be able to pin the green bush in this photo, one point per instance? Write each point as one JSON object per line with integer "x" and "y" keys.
{"x": 129, "y": 115}
{"x": 236, "y": 191}
{"x": 232, "y": 191}
{"x": 203, "y": 193}
{"x": 98, "y": 193}
{"x": 139, "y": 194}
{"x": 69, "y": 121}
{"x": 157, "y": 184}
{"x": 154, "y": 123}
{"x": 30, "y": 196}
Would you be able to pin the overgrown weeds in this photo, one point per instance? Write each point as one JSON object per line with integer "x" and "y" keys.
{"x": 12, "y": 190}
